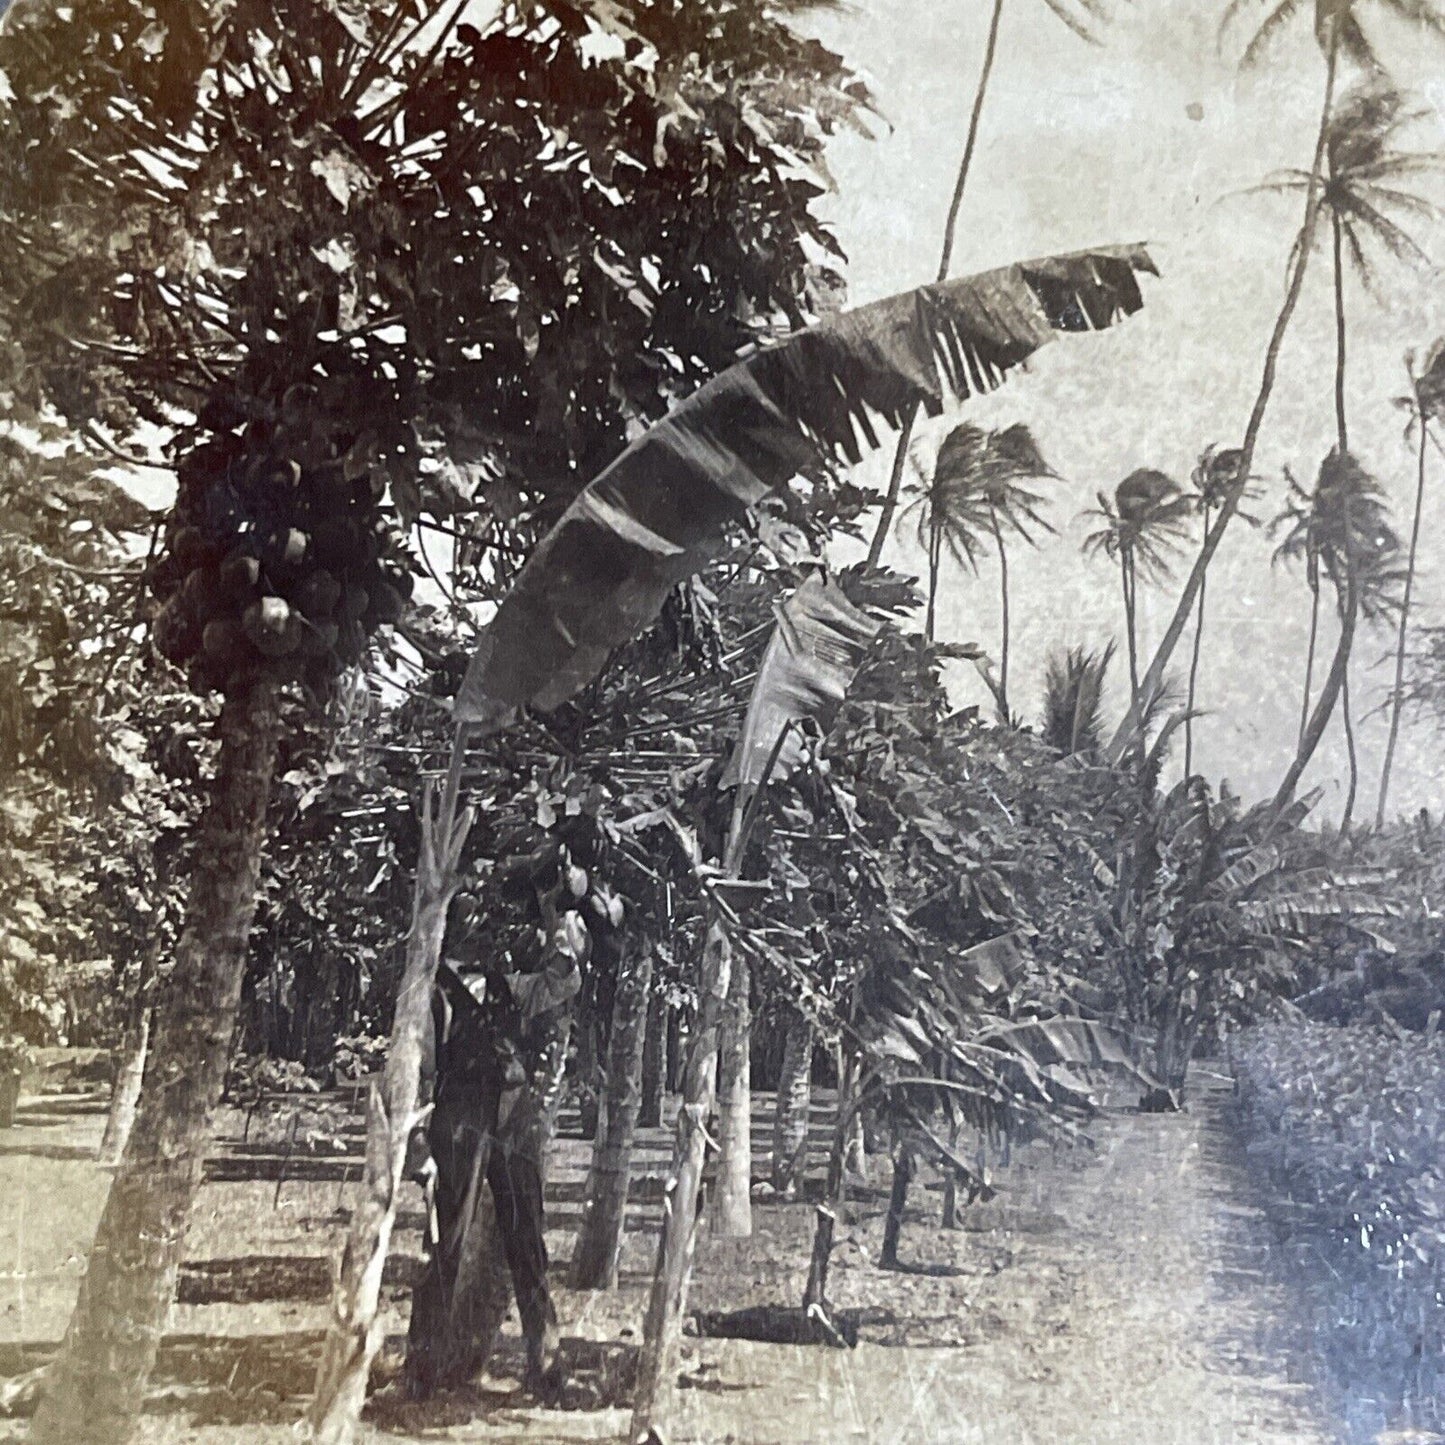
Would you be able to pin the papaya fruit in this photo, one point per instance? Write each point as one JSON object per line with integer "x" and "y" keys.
{"x": 386, "y": 607}
{"x": 317, "y": 594}
{"x": 239, "y": 577}
{"x": 337, "y": 545}
{"x": 166, "y": 578}
{"x": 191, "y": 549}
{"x": 204, "y": 596}
{"x": 286, "y": 547}
{"x": 175, "y": 631}
{"x": 353, "y": 605}
{"x": 225, "y": 640}
{"x": 272, "y": 627}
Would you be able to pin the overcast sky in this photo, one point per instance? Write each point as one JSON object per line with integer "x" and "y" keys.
{"x": 1151, "y": 136}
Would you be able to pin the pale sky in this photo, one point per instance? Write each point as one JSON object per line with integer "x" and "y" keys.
{"x": 1147, "y": 137}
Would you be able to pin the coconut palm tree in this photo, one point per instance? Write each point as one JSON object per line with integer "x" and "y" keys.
{"x": 1364, "y": 181}
{"x": 978, "y": 492}
{"x": 1344, "y": 526}
{"x": 1427, "y": 404}
{"x": 1212, "y": 477}
{"x": 1082, "y": 17}
{"x": 1146, "y": 520}
{"x": 1341, "y": 36}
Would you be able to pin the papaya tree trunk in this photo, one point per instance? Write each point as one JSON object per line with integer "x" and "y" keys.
{"x": 588, "y": 1090}
{"x": 96, "y": 1387}
{"x": 1304, "y": 707}
{"x": 662, "y": 1329}
{"x": 795, "y": 1097}
{"x": 903, "y": 1168}
{"x": 835, "y": 1190}
{"x": 676, "y": 1050}
{"x": 353, "y": 1333}
{"x": 654, "y": 1063}
{"x": 599, "y": 1241}
{"x": 733, "y": 1205}
{"x": 125, "y": 1098}
{"x": 1194, "y": 666}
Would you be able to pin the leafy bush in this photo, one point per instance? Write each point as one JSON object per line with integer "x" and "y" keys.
{"x": 1351, "y": 1122}
{"x": 1358, "y": 1118}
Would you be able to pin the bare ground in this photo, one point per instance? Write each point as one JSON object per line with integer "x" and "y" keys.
{"x": 1132, "y": 1291}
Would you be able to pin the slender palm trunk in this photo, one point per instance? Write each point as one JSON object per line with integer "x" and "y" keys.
{"x": 905, "y": 435}
{"x": 1131, "y": 637}
{"x": 1003, "y": 707}
{"x": 935, "y": 564}
{"x": 599, "y": 1241}
{"x": 1329, "y": 694}
{"x": 1304, "y": 709}
{"x": 96, "y": 1387}
{"x": 1345, "y": 717}
{"x": 353, "y": 1332}
{"x": 790, "y": 1124}
{"x": 1154, "y": 678}
{"x": 1396, "y": 700}
{"x": 1194, "y": 664}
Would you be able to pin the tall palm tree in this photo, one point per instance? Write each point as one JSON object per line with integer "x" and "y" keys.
{"x": 1344, "y": 525}
{"x": 1146, "y": 520}
{"x": 1212, "y": 478}
{"x": 1340, "y": 36}
{"x": 1082, "y": 17}
{"x": 977, "y": 492}
{"x": 1365, "y": 176}
{"x": 1427, "y": 404}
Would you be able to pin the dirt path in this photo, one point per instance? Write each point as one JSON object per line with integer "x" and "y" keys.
{"x": 1119, "y": 1294}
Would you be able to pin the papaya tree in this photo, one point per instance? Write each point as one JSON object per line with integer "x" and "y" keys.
{"x": 363, "y": 263}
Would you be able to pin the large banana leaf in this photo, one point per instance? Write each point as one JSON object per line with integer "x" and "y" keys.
{"x": 660, "y": 511}
{"x": 816, "y": 649}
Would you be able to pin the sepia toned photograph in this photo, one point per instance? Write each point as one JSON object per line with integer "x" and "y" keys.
{"x": 721, "y": 722}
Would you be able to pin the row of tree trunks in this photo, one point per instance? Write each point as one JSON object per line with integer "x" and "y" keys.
{"x": 795, "y": 1098}
{"x": 96, "y": 1387}
{"x": 599, "y": 1241}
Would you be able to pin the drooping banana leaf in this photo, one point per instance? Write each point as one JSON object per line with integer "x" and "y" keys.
{"x": 815, "y": 651}
{"x": 659, "y": 512}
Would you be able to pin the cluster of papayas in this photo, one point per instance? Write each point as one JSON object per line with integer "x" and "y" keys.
{"x": 272, "y": 567}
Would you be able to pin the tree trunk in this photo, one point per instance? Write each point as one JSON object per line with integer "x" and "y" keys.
{"x": 654, "y": 1063}
{"x": 1329, "y": 695}
{"x": 1304, "y": 710}
{"x": 97, "y": 1384}
{"x": 1395, "y": 697}
{"x": 835, "y": 1191}
{"x": 1347, "y": 816}
{"x": 588, "y": 1081}
{"x": 1131, "y": 634}
{"x": 1005, "y": 717}
{"x": 733, "y": 1204}
{"x": 676, "y": 1053}
{"x": 657, "y": 1363}
{"x": 903, "y": 1167}
{"x": 1154, "y": 678}
{"x": 935, "y": 563}
{"x": 795, "y": 1095}
{"x": 950, "y": 227}
{"x": 599, "y": 1241}
{"x": 1194, "y": 667}
{"x": 125, "y": 1098}
{"x": 353, "y": 1333}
